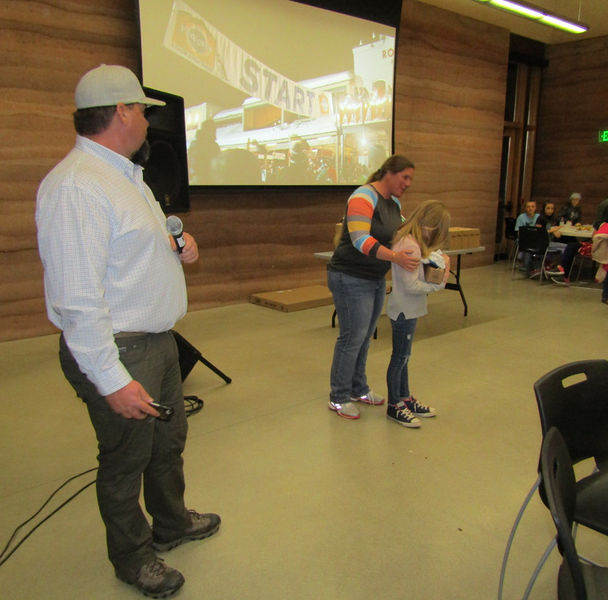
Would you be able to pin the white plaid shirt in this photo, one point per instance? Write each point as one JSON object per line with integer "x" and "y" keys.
{"x": 108, "y": 263}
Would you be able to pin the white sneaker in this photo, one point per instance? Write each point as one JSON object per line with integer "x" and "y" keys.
{"x": 345, "y": 409}
{"x": 369, "y": 398}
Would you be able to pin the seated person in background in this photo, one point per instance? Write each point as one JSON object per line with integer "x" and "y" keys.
{"x": 548, "y": 220}
{"x": 600, "y": 254}
{"x": 571, "y": 211}
{"x": 562, "y": 271}
{"x": 527, "y": 219}
{"x": 547, "y": 217}
{"x": 570, "y": 214}
{"x": 601, "y": 209}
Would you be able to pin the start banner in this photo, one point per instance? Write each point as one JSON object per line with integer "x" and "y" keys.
{"x": 195, "y": 39}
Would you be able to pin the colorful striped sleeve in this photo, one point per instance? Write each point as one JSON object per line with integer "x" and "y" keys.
{"x": 359, "y": 213}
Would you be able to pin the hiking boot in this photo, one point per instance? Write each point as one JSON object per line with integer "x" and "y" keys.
{"x": 203, "y": 526}
{"x": 369, "y": 398}
{"x": 155, "y": 579}
{"x": 348, "y": 410}
{"x": 420, "y": 410}
{"x": 403, "y": 415}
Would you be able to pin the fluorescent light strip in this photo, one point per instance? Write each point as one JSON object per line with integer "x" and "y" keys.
{"x": 537, "y": 14}
{"x": 562, "y": 24}
{"x": 519, "y": 9}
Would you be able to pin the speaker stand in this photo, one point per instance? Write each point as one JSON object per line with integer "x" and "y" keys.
{"x": 189, "y": 356}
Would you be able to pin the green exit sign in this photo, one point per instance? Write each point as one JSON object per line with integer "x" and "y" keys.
{"x": 603, "y": 135}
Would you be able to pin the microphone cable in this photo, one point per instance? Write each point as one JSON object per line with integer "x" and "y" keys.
{"x": 192, "y": 405}
{"x": 5, "y": 554}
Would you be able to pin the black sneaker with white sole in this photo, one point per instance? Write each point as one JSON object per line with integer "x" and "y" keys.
{"x": 420, "y": 410}
{"x": 403, "y": 415}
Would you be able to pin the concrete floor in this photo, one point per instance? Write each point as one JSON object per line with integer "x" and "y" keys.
{"x": 315, "y": 506}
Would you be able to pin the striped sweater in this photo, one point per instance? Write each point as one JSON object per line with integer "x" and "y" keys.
{"x": 370, "y": 221}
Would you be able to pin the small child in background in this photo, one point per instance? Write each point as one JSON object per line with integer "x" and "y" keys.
{"x": 527, "y": 219}
{"x": 424, "y": 231}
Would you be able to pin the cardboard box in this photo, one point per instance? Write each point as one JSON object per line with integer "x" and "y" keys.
{"x": 461, "y": 238}
{"x": 294, "y": 299}
{"x": 433, "y": 274}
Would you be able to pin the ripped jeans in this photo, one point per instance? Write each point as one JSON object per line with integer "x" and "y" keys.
{"x": 397, "y": 376}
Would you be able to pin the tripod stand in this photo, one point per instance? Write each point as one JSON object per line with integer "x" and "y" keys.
{"x": 189, "y": 356}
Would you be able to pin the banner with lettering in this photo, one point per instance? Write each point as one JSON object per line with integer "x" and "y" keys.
{"x": 195, "y": 39}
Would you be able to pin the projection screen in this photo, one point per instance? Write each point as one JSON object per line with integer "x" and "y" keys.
{"x": 276, "y": 92}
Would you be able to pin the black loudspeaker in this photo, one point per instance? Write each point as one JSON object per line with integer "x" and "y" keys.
{"x": 166, "y": 170}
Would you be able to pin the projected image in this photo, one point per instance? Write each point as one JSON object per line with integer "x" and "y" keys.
{"x": 276, "y": 92}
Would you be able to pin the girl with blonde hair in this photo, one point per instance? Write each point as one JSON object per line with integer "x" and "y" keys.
{"x": 425, "y": 231}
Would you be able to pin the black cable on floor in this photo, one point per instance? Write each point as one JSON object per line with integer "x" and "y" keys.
{"x": 192, "y": 404}
{"x": 5, "y": 555}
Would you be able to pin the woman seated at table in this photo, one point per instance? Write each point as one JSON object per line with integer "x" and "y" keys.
{"x": 571, "y": 211}
{"x": 571, "y": 214}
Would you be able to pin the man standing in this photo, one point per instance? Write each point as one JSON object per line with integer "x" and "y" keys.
{"x": 115, "y": 287}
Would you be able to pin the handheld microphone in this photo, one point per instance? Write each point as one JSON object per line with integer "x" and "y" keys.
{"x": 176, "y": 228}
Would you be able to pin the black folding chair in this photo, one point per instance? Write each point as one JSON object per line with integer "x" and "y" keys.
{"x": 534, "y": 241}
{"x": 574, "y": 399}
{"x": 577, "y": 579}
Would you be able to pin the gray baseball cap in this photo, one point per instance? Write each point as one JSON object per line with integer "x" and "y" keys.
{"x": 107, "y": 85}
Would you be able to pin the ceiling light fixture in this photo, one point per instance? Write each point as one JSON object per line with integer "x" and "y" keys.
{"x": 535, "y": 13}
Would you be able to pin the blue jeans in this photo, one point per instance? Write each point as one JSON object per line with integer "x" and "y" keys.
{"x": 358, "y": 305}
{"x": 568, "y": 256}
{"x": 397, "y": 379}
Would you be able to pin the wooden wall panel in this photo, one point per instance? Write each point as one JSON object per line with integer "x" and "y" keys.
{"x": 449, "y": 97}
{"x": 258, "y": 242}
{"x": 451, "y": 82}
{"x": 44, "y": 49}
{"x": 573, "y": 107}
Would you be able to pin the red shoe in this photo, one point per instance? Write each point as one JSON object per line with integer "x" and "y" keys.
{"x": 559, "y": 271}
